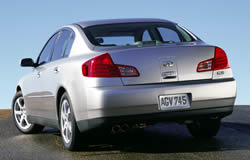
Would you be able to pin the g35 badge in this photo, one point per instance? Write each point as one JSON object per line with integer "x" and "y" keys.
{"x": 219, "y": 73}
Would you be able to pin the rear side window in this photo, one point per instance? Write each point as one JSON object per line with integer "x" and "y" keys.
{"x": 69, "y": 45}
{"x": 47, "y": 50}
{"x": 186, "y": 36}
{"x": 61, "y": 45}
{"x": 169, "y": 35}
{"x": 146, "y": 36}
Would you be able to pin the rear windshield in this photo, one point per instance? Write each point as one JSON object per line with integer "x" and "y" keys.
{"x": 132, "y": 34}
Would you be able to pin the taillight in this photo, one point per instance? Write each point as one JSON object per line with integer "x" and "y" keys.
{"x": 127, "y": 71}
{"x": 103, "y": 66}
{"x": 219, "y": 61}
{"x": 205, "y": 65}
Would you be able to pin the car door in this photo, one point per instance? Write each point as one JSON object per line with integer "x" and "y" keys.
{"x": 52, "y": 74}
{"x": 32, "y": 84}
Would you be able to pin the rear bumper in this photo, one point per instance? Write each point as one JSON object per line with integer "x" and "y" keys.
{"x": 178, "y": 116}
{"x": 143, "y": 99}
{"x": 207, "y": 96}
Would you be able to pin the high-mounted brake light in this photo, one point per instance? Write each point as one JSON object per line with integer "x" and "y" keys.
{"x": 219, "y": 61}
{"x": 103, "y": 66}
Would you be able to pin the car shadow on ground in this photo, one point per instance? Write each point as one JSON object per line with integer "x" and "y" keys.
{"x": 165, "y": 138}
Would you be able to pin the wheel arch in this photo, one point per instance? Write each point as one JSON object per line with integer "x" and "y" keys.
{"x": 60, "y": 93}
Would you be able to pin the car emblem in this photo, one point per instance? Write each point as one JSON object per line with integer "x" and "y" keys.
{"x": 168, "y": 64}
{"x": 169, "y": 74}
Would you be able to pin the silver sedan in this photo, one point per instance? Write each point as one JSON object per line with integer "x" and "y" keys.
{"x": 121, "y": 72}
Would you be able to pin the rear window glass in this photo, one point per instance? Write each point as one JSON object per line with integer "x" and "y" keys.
{"x": 115, "y": 40}
{"x": 132, "y": 34}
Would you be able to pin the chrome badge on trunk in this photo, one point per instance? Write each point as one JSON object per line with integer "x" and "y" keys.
{"x": 168, "y": 69}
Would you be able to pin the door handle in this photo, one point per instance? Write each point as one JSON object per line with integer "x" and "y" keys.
{"x": 56, "y": 69}
{"x": 38, "y": 74}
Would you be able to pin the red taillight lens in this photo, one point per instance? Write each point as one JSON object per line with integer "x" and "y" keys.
{"x": 103, "y": 66}
{"x": 100, "y": 66}
{"x": 219, "y": 61}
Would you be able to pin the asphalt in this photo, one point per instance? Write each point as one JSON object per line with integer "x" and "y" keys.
{"x": 161, "y": 141}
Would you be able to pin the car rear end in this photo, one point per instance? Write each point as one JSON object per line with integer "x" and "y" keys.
{"x": 155, "y": 81}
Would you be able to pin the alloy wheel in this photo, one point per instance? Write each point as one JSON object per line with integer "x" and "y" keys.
{"x": 66, "y": 122}
{"x": 20, "y": 114}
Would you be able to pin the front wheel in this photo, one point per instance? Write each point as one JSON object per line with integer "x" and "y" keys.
{"x": 69, "y": 130}
{"x": 205, "y": 128}
{"x": 20, "y": 117}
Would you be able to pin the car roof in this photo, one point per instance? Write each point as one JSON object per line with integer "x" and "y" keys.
{"x": 85, "y": 24}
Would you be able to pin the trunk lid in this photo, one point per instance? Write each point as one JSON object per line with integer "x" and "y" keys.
{"x": 161, "y": 64}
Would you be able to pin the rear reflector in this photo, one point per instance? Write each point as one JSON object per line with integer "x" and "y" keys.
{"x": 219, "y": 61}
{"x": 103, "y": 66}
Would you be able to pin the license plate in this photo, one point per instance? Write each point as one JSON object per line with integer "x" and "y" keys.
{"x": 177, "y": 101}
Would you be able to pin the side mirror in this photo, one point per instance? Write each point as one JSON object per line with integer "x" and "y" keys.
{"x": 27, "y": 62}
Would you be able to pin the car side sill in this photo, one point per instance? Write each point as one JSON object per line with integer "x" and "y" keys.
{"x": 43, "y": 121}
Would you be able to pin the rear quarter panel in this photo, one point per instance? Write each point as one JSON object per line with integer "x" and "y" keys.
{"x": 72, "y": 79}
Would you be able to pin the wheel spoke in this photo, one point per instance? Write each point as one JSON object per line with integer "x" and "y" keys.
{"x": 68, "y": 116}
{"x": 63, "y": 112}
{"x": 70, "y": 126}
{"x": 18, "y": 112}
{"x": 68, "y": 110}
{"x": 65, "y": 117}
{"x": 64, "y": 127}
{"x": 63, "y": 124}
{"x": 19, "y": 103}
{"x": 67, "y": 133}
{"x": 62, "y": 116}
{"x": 64, "y": 131}
{"x": 66, "y": 124}
{"x": 21, "y": 120}
{"x": 25, "y": 120}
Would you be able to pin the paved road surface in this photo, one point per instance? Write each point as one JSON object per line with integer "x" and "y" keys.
{"x": 161, "y": 141}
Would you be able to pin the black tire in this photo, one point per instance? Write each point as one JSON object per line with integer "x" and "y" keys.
{"x": 74, "y": 143}
{"x": 206, "y": 128}
{"x": 32, "y": 128}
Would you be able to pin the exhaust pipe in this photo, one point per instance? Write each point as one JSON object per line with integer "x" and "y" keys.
{"x": 120, "y": 129}
{"x": 140, "y": 125}
{"x": 188, "y": 121}
{"x": 125, "y": 127}
{"x": 116, "y": 129}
